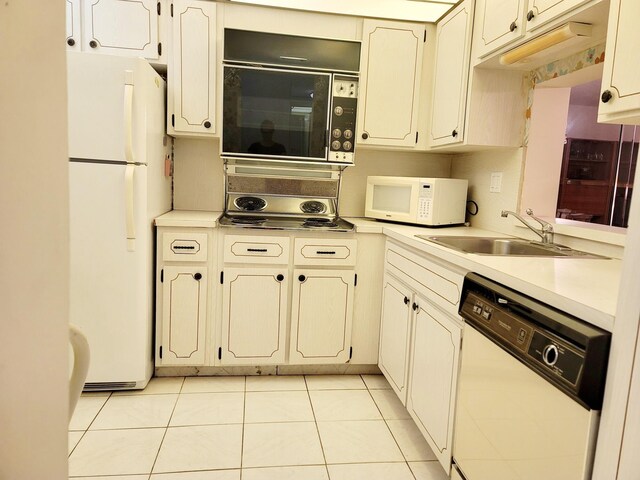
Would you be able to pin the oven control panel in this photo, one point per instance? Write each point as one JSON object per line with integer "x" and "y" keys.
{"x": 343, "y": 118}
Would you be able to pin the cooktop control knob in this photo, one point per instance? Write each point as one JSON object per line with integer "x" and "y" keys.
{"x": 335, "y": 145}
{"x": 338, "y": 111}
{"x": 348, "y": 134}
{"x": 337, "y": 132}
{"x": 347, "y": 145}
{"x": 550, "y": 354}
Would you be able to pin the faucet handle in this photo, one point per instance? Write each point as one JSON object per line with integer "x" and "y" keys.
{"x": 546, "y": 226}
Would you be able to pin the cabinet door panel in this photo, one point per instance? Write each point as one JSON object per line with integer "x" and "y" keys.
{"x": 254, "y": 316}
{"x": 121, "y": 27}
{"x": 193, "y": 79}
{"x": 621, "y": 64}
{"x": 395, "y": 335}
{"x": 494, "y": 26}
{"x": 391, "y": 63}
{"x": 321, "y": 316}
{"x": 184, "y": 310}
{"x": 433, "y": 378}
{"x": 543, "y": 11}
{"x": 74, "y": 34}
{"x": 451, "y": 72}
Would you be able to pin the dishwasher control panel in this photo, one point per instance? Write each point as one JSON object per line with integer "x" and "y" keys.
{"x": 569, "y": 353}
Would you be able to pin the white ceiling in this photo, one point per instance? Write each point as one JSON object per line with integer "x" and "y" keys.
{"x": 411, "y": 10}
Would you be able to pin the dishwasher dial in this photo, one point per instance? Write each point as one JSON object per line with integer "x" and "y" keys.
{"x": 550, "y": 354}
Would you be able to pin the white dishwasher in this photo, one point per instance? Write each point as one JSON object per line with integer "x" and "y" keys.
{"x": 530, "y": 388}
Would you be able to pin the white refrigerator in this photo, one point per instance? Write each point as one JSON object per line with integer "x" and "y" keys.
{"x": 118, "y": 184}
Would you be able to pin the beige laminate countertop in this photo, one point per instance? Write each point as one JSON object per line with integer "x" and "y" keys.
{"x": 585, "y": 288}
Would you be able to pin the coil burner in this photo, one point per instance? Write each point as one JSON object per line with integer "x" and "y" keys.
{"x": 313, "y": 206}
{"x": 248, "y": 220}
{"x": 319, "y": 222}
{"x": 250, "y": 204}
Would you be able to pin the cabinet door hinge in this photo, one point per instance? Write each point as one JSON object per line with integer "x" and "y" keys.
{"x": 160, "y": 48}
{"x": 355, "y": 280}
{"x": 425, "y": 37}
{"x": 350, "y": 353}
{"x": 162, "y": 275}
{"x": 171, "y": 10}
{"x": 159, "y": 8}
{"x": 221, "y": 278}
{"x": 160, "y": 351}
{"x": 219, "y": 353}
{"x": 416, "y": 137}
{"x": 173, "y": 120}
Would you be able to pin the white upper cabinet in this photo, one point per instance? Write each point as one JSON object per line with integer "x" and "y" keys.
{"x": 74, "y": 30}
{"x": 620, "y": 93}
{"x": 390, "y": 66}
{"x": 127, "y": 28}
{"x": 539, "y": 12}
{"x": 451, "y": 73}
{"x": 498, "y": 22}
{"x": 191, "y": 83}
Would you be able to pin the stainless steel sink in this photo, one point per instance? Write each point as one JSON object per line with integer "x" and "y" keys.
{"x": 506, "y": 247}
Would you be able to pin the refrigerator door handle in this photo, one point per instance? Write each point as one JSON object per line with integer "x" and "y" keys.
{"x": 128, "y": 116}
{"x": 129, "y": 206}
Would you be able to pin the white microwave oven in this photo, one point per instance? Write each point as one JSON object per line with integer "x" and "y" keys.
{"x": 423, "y": 201}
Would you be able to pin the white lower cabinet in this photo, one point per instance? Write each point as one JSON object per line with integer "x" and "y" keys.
{"x": 321, "y": 316}
{"x": 395, "y": 330}
{"x": 432, "y": 382}
{"x": 184, "y": 298}
{"x": 420, "y": 340}
{"x": 254, "y": 316}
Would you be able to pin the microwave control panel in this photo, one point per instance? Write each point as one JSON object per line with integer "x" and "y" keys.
{"x": 425, "y": 195}
{"x": 343, "y": 118}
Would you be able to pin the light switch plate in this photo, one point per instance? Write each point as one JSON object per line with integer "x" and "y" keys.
{"x": 496, "y": 182}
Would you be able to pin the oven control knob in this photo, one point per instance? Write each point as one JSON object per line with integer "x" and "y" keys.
{"x": 348, "y": 134}
{"x": 335, "y": 145}
{"x": 336, "y": 133}
{"x": 550, "y": 354}
{"x": 347, "y": 145}
{"x": 338, "y": 111}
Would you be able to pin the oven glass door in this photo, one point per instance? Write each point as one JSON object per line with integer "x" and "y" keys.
{"x": 275, "y": 113}
{"x": 511, "y": 424}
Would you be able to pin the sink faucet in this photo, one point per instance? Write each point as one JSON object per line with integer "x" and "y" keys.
{"x": 545, "y": 233}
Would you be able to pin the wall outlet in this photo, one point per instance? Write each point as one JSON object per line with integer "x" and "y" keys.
{"x": 496, "y": 182}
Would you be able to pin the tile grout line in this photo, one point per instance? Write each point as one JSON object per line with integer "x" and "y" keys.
{"x": 244, "y": 417}
{"x": 166, "y": 429}
{"x": 389, "y": 428}
{"x": 315, "y": 420}
{"x": 84, "y": 432}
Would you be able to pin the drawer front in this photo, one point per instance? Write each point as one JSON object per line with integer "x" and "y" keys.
{"x": 184, "y": 247}
{"x": 320, "y": 251}
{"x": 439, "y": 284}
{"x": 246, "y": 249}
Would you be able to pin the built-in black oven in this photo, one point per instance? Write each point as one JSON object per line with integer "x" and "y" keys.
{"x": 288, "y": 107}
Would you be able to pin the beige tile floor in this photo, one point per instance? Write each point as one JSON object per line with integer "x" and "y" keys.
{"x": 315, "y": 427}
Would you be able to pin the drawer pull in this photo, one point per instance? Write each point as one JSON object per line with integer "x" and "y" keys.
{"x": 325, "y": 252}
{"x": 256, "y": 249}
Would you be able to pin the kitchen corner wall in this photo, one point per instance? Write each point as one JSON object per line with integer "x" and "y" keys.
{"x": 477, "y": 168}
{"x": 199, "y": 181}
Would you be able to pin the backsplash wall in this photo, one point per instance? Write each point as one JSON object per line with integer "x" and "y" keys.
{"x": 199, "y": 179}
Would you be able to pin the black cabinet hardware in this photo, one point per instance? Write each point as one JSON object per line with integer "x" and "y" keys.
{"x": 530, "y": 15}
{"x": 513, "y": 26}
{"x": 71, "y": 42}
{"x": 454, "y": 134}
{"x": 406, "y": 300}
{"x": 207, "y": 124}
{"x": 302, "y": 278}
{"x": 365, "y": 135}
{"x": 414, "y": 307}
{"x": 280, "y": 277}
{"x": 256, "y": 249}
{"x": 197, "y": 276}
{"x": 606, "y": 96}
{"x": 93, "y": 44}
